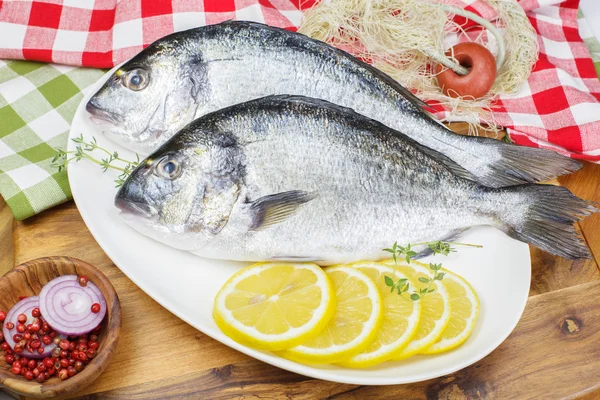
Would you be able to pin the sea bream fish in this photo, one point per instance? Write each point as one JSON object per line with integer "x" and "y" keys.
{"x": 295, "y": 178}
{"x": 194, "y": 72}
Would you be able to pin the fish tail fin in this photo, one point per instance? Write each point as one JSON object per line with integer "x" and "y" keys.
{"x": 544, "y": 216}
{"x": 520, "y": 164}
{"x": 494, "y": 163}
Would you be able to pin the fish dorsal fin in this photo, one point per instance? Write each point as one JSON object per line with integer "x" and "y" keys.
{"x": 394, "y": 84}
{"x": 450, "y": 164}
{"x": 275, "y": 208}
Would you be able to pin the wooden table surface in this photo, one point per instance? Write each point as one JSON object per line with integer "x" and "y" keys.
{"x": 553, "y": 353}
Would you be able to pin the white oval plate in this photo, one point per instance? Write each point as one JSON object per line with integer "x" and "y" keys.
{"x": 186, "y": 284}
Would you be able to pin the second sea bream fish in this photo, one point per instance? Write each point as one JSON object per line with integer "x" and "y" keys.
{"x": 293, "y": 178}
{"x": 191, "y": 73}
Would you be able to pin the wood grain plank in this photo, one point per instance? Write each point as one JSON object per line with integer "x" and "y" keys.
{"x": 247, "y": 380}
{"x": 61, "y": 231}
{"x": 586, "y": 184}
{"x": 7, "y": 260}
{"x": 462, "y": 128}
{"x": 549, "y": 273}
{"x": 176, "y": 360}
{"x": 553, "y": 353}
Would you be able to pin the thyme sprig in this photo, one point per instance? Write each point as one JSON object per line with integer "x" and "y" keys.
{"x": 407, "y": 253}
{"x": 85, "y": 150}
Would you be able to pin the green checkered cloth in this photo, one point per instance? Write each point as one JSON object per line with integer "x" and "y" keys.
{"x": 590, "y": 40}
{"x": 37, "y": 104}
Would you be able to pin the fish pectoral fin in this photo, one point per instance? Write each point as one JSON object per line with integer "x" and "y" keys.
{"x": 275, "y": 208}
{"x": 404, "y": 92}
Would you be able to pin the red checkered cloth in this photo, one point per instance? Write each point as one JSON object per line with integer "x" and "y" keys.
{"x": 102, "y": 33}
{"x": 558, "y": 108}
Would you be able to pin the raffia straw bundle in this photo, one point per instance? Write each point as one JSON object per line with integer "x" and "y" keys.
{"x": 400, "y": 36}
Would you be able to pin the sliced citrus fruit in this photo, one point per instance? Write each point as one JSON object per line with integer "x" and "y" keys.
{"x": 354, "y": 324}
{"x": 464, "y": 305}
{"x": 400, "y": 318}
{"x": 435, "y": 308}
{"x": 275, "y": 306}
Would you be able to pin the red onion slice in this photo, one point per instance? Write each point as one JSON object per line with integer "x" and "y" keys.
{"x": 67, "y": 306}
{"x": 24, "y": 306}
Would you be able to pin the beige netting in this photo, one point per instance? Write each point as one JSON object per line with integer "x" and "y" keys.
{"x": 400, "y": 37}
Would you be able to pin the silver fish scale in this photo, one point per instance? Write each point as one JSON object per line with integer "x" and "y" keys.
{"x": 277, "y": 64}
{"x": 270, "y": 63}
{"x": 295, "y": 178}
{"x": 191, "y": 73}
{"x": 371, "y": 188}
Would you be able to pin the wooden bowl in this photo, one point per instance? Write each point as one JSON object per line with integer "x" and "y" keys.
{"x": 27, "y": 280}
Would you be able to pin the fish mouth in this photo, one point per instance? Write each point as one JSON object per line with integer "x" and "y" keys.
{"x": 135, "y": 208}
{"x": 98, "y": 114}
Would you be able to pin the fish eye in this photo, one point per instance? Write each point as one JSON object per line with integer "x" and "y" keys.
{"x": 136, "y": 79}
{"x": 168, "y": 168}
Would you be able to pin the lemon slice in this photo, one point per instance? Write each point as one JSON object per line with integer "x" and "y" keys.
{"x": 464, "y": 305}
{"x": 275, "y": 306}
{"x": 354, "y": 324}
{"x": 435, "y": 308}
{"x": 399, "y": 323}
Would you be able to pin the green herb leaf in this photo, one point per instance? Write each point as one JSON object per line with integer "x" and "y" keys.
{"x": 435, "y": 267}
{"x": 408, "y": 254}
{"x": 388, "y": 281}
{"x": 440, "y": 248}
{"x": 86, "y": 150}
